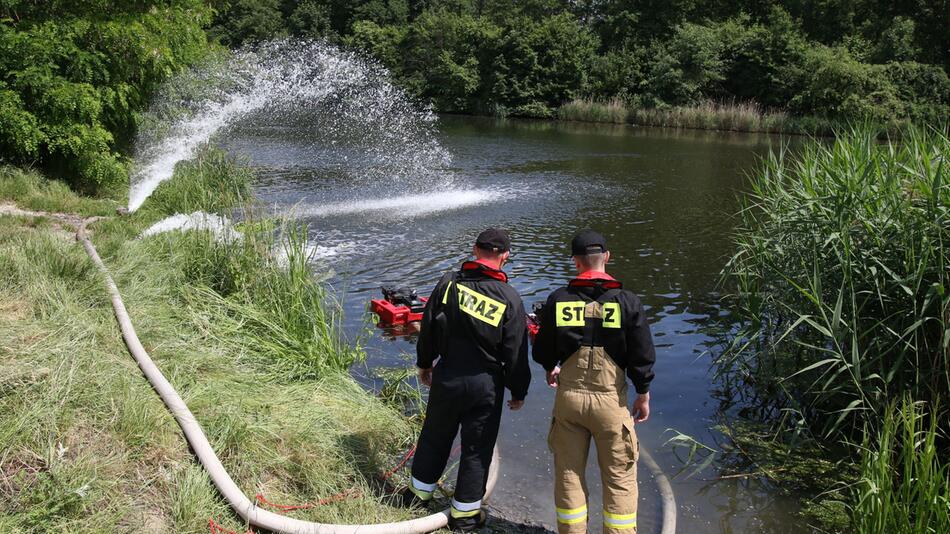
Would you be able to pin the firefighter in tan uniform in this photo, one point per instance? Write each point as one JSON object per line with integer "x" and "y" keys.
{"x": 594, "y": 334}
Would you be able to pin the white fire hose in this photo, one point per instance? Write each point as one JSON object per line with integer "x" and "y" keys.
{"x": 246, "y": 508}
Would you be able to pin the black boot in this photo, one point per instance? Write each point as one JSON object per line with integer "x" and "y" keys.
{"x": 408, "y": 499}
{"x": 468, "y": 524}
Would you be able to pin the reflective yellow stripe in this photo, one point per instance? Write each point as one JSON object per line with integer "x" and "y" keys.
{"x": 620, "y": 521}
{"x": 572, "y": 521}
{"x": 445, "y": 294}
{"x": 460, "y": 514}
{"x": 570, "y": 516}
{"x": 424, "y": 495}
{"x": 571, "y": 511}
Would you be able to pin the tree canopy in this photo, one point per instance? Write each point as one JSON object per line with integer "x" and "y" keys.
{"x": 834, "y": 58}
{"x": 74, "y": 73}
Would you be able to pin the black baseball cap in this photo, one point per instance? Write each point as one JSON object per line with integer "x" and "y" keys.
{"x": 588, "y": 242}
{"x": 494, "y": 239}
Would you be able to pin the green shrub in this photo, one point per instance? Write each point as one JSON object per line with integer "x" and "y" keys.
{"x": 684, "y": 68}
{"x": 832, "y": 83}
{"x": 923, "y": 89}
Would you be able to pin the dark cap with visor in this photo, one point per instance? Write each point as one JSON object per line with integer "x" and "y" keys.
{"x": 588, "y": 242}
{"x": 493, "y": 239}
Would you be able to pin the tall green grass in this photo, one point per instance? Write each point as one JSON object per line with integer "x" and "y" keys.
{"x": 842, "y": 267}
{"x": 212, "y": 181}
{"x": 243, "y": 331}
{"x": 842, "y": 262}
{"x": 586, "y": 110}
{"x": 709, "y": 115}
{"x": 904, "y": 484}
{"x": 262, "y": 290}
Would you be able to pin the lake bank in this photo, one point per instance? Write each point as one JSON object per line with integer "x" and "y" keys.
{"x": 88, "y": 446}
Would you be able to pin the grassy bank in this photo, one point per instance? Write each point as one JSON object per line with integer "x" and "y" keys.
{"x": 243, "y": 334}
{"x": 709, "y": 115}
{"x": 841, "y": 273}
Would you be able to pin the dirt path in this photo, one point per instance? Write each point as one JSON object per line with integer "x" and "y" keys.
{"x": 64, "y": 224}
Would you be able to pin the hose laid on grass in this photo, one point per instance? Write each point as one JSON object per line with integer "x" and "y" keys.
{"x": 206, "y": 455}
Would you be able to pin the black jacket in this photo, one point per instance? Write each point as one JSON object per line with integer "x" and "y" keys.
{"x": 623, "y": 331}
{"x": 476, "y": 322}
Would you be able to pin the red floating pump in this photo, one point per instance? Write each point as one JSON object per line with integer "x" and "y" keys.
{"x": 400, "y": 307}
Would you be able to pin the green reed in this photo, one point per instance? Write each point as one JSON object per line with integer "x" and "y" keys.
{"x": 842, "y": 273}
{"x": 904, "y": 486}
{"x": 709, "y": 115}
{"x": 612, "y": 111}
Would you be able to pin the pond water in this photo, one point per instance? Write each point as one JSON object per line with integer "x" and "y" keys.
{"x": 664, "y": 199}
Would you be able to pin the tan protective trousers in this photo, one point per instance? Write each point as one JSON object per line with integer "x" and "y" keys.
{"x": 591, "y": 402}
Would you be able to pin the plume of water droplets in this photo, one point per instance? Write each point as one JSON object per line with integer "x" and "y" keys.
{"x": 342, "y": 98}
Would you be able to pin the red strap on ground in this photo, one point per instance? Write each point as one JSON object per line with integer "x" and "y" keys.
{"x": 351, "y": 493}
{"x": 400, "y": 465}
{"x": 218, "y": 529}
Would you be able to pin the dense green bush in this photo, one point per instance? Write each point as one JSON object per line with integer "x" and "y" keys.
{"x": 684, "y": 68}
{"x": 832, "y": 83}
{"x": 72, "y": 75}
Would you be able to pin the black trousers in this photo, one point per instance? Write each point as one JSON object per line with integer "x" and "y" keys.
{"x": 472, "y": 401}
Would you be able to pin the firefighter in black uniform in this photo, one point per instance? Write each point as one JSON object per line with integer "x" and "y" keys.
{"x": 593, "y": 333}
{"x": 472, "y": 344}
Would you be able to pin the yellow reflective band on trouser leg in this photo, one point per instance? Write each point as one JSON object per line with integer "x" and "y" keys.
{"x": 465, "y": 509}
{"x": 570, "y": 516}
{"x": 620, "y": 521}
{"x": 421, "y": 489}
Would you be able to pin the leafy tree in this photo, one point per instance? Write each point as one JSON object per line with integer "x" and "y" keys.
{"x": 72, "y": 75}
{"x": 442, "y": 58}
{"x": 684, "y": 68}
{"x": 834, "y": 84}
{"x": 541, "y": 63}
{"x": 240, "y": 21}
{"x": 312, "y": 19}
{"x": 759, "y": 57}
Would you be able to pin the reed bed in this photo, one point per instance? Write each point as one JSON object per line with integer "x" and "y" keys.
{"x": 709, "y": 115}
{"x": 744, "y": 116}
{"x": 842, "y": 268}
{"x": 587, "y": 110}
{"x": 841, "y": 271}
{"x": 904, "y": 484}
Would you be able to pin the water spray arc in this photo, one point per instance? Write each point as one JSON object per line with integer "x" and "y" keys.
{"x": 344, "y": 101}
